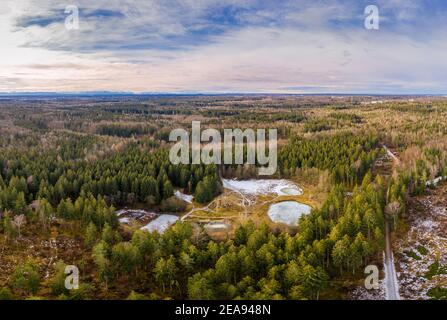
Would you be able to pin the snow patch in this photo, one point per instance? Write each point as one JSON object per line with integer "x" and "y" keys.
{"x": 124, "y": 220}
{"x": 126, "y": 216}
{"x": 435, "y": 182}
{"x": 185, "y": 197}
{"x": 263, "y": 187}
{"x": 424, "y": 244}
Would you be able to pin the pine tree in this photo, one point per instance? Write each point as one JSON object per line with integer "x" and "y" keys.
{"x": 340, "y": 253}
{"x": 165, "y": 272}
{"x": 26, "y": 278}
{"x": 168, "y": 190}
{"x": 20, "y": 206}
{"x": 57, "y": 282}
{"x": 91, "y": 235}
{"x": 108, "y": 235}
{"x": 100, "y": 254}
{"x": 125, "y": 257}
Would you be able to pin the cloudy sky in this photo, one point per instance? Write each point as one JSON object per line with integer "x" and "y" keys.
{"x": 219, "y": 46}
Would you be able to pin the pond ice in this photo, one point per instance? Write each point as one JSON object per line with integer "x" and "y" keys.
{"x": 288, "y": 212}
{"x": 161, "y": 223}
{"x": 263, "y": 186}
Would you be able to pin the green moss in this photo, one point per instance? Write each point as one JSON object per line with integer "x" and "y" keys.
{"x": 435, "y": 269}
{"x": 422, "y": 250}
{"x": 413, "y": 255}
{"x": 437, "y": 293}
{"x": 6, "y": 294}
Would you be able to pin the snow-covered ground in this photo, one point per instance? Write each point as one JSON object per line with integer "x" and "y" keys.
{"x": 126, "y": 216}
{"x": 185, "y": 197}
{"x": 125, "y": 220}
{"x": 361, "y": 293}
{"x": 161, "y": 223}
{"x": 424, "y": 244}
{"x": 263, "y": 187}
{"x": 288, "y": 212}
{"x": 133, "y": 212}
{"x": 381, "y": 293}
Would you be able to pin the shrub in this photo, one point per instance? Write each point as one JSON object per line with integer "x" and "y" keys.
{"x": 173, "y": 204}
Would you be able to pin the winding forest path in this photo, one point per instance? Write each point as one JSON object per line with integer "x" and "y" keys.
{"x": 206, "y": 208}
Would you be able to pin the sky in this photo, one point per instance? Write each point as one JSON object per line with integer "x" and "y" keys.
{"x": 224, "y": 46}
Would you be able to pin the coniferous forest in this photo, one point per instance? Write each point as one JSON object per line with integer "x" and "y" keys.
{"x": 69, "y": 169}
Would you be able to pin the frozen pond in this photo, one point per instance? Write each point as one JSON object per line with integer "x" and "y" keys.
{"x": 263, "y": 186}
{"x": 184, "y": 197}
{"x": 288, "y": 212}
{"x": 161, "y": 223}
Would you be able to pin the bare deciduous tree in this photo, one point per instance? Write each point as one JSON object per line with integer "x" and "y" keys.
{"x": 392, "y": 210}
{"x": 18, "y": 222}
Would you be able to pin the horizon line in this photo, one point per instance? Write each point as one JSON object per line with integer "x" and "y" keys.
{"x": 205, "y": 93}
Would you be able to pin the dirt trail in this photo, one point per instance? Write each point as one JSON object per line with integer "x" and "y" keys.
{"x": 206, "y": 208}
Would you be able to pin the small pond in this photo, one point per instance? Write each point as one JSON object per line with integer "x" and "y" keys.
{"x": 288, "y": 212}
{"x": 161, "y": 223}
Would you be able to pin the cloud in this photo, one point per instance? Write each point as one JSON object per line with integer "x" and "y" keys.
{"x": 224, "y": 45}
{"x": 56, "y": 66}
{"x": 41, "y": 21}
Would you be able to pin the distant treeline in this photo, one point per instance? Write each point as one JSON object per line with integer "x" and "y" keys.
{"x": 125, "y": 131}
